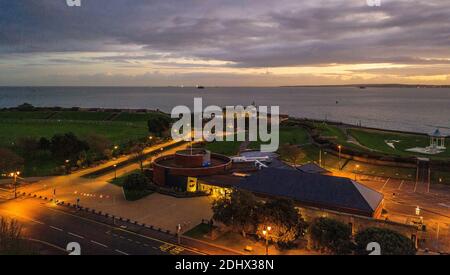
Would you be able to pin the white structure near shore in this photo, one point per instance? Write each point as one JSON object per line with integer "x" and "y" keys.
{"x": 437, "y": 144}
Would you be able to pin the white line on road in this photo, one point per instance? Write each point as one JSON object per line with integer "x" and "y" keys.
{"x": 401, "y": 184}
{"x": 121, "y": 252}
{"x": 385, "y": 184}
{"x": 56, "y": 228}
{"x": 75, "y": 235}
{"x": 97, "y": 243}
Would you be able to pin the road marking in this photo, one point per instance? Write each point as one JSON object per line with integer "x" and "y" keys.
{"x": 385, "y": 184}
{"x": 401, "y": 184}
{"x": 75, "y": 235}
{"x": 100, "y": 244}
{"x": 49, "y": 244}
{"x": 118, "y": 228}
{"x": 130, "y": 240}
{"x": 56, "y": 228}
{"x": 121, "y": 252}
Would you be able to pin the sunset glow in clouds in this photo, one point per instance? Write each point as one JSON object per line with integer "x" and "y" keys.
{"x": 224, "y": 43}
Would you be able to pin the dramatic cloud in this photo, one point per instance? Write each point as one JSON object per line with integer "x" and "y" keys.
{"x": 227, "y": 37}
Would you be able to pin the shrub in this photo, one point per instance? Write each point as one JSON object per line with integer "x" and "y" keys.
{"x": 135, "y": 182}
{"x": 391, "y": 242}
{"x": 332, "y": 235}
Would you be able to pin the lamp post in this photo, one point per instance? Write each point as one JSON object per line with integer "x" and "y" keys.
{"x": 115, "y": 171}
{"x": 266, "y": 235}
{"x": 150, "y": 140}
{"x": 14, "y": 175}
{"x": 356, "y": 171}
{"x": 67, "y": 161}
{"x": 340, "y": 150}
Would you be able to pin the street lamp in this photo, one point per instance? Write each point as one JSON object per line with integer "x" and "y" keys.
{"x": 14, "y": 175}
{"x": 356, "y": 171}
{"x": 417, "y": 211}
{"x": 115, "y": 171}
{"x": 67, "y": 161}
{"x": 340, "y": 150}
{"x": 266, "y": 235}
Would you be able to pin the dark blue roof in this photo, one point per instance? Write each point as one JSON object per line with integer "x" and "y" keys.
{"x": 312, "y": 168}
{"x": 341, "y": 194}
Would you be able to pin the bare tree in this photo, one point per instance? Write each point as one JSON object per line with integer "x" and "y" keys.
{"x": 139, "y": 155}
{"x": 292, "y": 153}
{"x": 10, "y": 236}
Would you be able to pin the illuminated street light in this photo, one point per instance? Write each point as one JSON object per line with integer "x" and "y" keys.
{"x": 115, "y": 171}
{"x": 417, "y": 211}
{"x": 340, "y": 150}
{"x": 356, "y": 171}
{"x": 266, "y": 235}
{"x": 14, "y": 175}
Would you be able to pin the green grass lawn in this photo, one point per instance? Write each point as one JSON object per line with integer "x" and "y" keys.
{"x": 376, "y": 141}
{"x": 380, "y": 171}
{"x": 74, "y": 115}
{"x": 117, "y": 132}
{"x": 119, "y": 180}
{"x": 199, "y": 231}
{"x": 136, "y": 117}
{"x": 24, "y": 115}
{"x": 130, "y": 195}
{"x": 228, "y": 148}
{"x": 291, "y": 135}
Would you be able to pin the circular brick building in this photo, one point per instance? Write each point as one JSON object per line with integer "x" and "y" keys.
{"x": 175, "y": 170}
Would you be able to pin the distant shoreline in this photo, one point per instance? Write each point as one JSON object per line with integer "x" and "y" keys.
{"x": 372, "y": 86}
{"x": 212, "y": 87}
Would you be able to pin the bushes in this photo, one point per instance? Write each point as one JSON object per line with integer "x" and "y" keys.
{"x": 9, "y": 161}
{"x": 287, "y": 225}
{"x": 332, "y": 236}
{"x": 391, "y": 242}
{"x": 245, "y": 214}
{"x": 135, "y": 182}
{"x": 135, "y": 187}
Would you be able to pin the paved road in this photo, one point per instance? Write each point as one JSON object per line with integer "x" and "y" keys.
{"x": 55, "y": 228}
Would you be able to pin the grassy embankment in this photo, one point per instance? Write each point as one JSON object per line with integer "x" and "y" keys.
{"x": 15, "y": 125}
{"x": 130, "y": 195}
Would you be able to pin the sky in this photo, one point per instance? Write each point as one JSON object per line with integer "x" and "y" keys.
{"x": 223, "y": 42}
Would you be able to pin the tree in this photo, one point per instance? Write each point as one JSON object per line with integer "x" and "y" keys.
{"x": 287, "y": 225}
{"x": 391, "y": 242}
{"x": 10, "y": 161}
{"x": 291, "y": 153}
{"x": 25, "y": 107}
{"x": 138, "y": 152}
{"x": 237, "y": 211}
{"x": 332, "y": 235}
{"x": 67, "y": 146}
{"x": 99, "y": 146}
{"x": 27, "y": 145}
{"x": 10, "y": 236}
{"x": 44, "y": 143}
{"x": 158, "y": 124}
{"x": 135, "y": 181}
